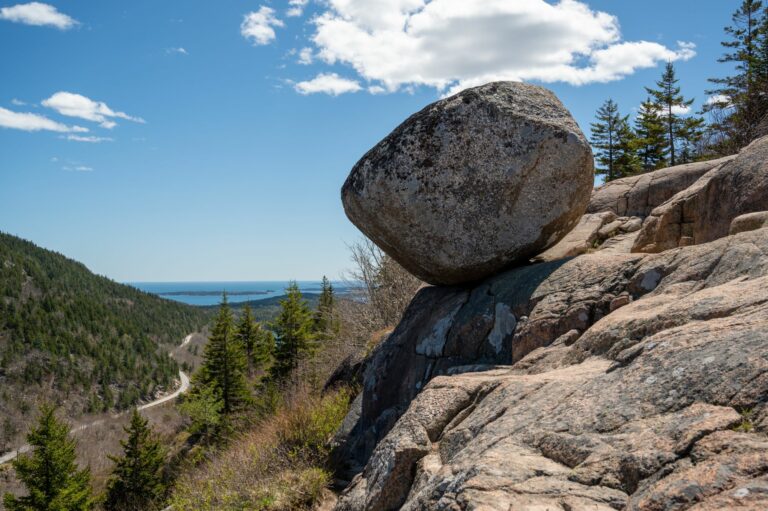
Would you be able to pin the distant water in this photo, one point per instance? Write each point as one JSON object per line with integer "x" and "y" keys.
{"x": 209, "y": 293}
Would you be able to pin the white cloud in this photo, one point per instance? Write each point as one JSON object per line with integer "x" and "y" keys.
{"x": 328, "y": 83}
{"x": 34, "y": 122}
{"x": 305, "y": 56}
{"x": 176, "y": 51}
{"x": 454, "y": 44}
{"x": 296, "y": 8}
{"x": 258, "y": 25}
{"x": 90, "y": 139}
{"x": 76, "y": 105}
{"x": 37, "y": 13}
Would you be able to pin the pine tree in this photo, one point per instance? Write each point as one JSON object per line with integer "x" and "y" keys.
{"x": 293, "y": 327}
{"x": 743, "y": 91}
{"x": 670, "y": 101}
{"x": 256, "y": 340}
{"x": 137, "y": 479}
{"x": 224, "y": 363}
{"x": 325, "y": 324}
{"x": 614, "y": 142}
{"x": 50, "y": 473}
{"x": 651, "y": 139}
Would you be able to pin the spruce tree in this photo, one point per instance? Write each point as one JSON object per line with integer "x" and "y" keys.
{"x": 614, "y": 143}
{"x": 224, "y": 363}
{"x": 651, "y": 139}
{"x": 325, "y": 324}
{"x": 257, "y": 342}
{"x": 293, "y": 328}
{"x": 668, "y": 98}
{"x": 50, "y": 474}
{"x": 744, "y": 91}
{"x": 137, "y": 479}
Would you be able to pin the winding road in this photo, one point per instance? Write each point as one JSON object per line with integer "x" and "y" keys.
{"x": 11, "y": 455}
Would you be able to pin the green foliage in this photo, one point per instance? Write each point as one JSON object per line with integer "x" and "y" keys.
{"x": 224, "y": 363}
{"x": 204, "y": 407}
{"x": 137, "y": 480}
{"x": 310, "y": 429}
{"x": 669, "y": 100}
{"x": 258, "y": 342}
{"x": 614, "y": 142}
{"x": 293, "y": 328}
{"x": 50, "y": 474}
{"x": 651, "y": 137}
{"x": 59, "y": 322}
{"x": 325, "y": 322}
{"x": 743, "y": 92}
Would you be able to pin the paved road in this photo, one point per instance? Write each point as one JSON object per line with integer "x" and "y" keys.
{"x": 10, "y": 456}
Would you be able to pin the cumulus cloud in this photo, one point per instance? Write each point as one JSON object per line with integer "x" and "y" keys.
{"x": 328, "y": 83}
{"x": 90, "y": 139}
{"x": 258, "y": 26}
{"x": 37, "y": 13}
{"x": 454, "y": 44}
{"x": 26, "y": 121}
{"x": 76, "y": 105}
{"x": 296, "y": 8}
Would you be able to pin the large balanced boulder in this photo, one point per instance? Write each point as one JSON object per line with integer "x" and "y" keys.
{"x": 473, "y": 183}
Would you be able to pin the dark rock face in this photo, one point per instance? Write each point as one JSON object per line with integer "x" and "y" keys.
{"x": 704, "y": 211}
{"x": 473, "y": 183}
{"x": 639, "y": 382}
{"x": 639, "y": 195}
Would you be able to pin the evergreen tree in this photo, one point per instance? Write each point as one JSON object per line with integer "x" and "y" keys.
{"x": 224, "y": 363}
{"x": 137, "y": 479}
{"x": 651, "y": 137}
{"x": 614, "y": 143}
{"x": 257, "y": 341}
{"x": 742, "y": 93}
{"x": 670, "y": 101}
{"x": 50, "y": 474}
{"x": 293, "y": 328}
{"x": 325, "y": 324}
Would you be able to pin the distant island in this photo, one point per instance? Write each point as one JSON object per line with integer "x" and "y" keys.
{"x": 215, "y": 293}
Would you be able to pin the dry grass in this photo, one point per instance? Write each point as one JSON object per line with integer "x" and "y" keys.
{"x": 278, "y": 465}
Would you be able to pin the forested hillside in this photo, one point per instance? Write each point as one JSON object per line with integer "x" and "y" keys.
{"x": 87, "y": 342}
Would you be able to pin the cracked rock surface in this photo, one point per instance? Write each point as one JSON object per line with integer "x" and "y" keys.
{"x": 606, "y": 381}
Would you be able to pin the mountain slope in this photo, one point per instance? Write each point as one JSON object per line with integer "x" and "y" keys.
{"x": 87, "y": 342}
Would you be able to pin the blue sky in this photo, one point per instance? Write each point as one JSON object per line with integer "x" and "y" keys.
{"x": 186, "y": 140}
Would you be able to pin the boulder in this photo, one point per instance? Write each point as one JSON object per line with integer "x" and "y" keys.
{"x": 704, "y": 211}
{"x": 640, "y": 383}
{"x": 638, "y": 195}
{"x": 474, "y": 183}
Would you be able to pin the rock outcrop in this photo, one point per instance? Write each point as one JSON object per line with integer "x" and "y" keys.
{"x": 639, "y": 195}
{"x": 658, "y": 403}
{"x": 601, "y": 377}
{"x": 473, "y": 183}
{"x": 704, "y": 211}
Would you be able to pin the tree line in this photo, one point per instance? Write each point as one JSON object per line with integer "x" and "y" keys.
{"x": 663, "y": 133}
{"x": 244, "y": 361}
